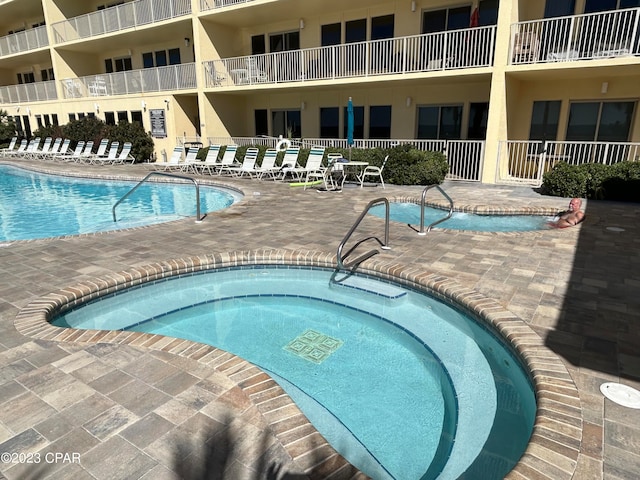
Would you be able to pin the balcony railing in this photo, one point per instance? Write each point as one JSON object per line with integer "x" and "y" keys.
{"x": 28, "y": 92}
{"x": 465, "y": 157}
{"x": 173, "y": 77}
{"x": 211, "y": 4}
{"x": 24, "y": 41}
{"x": 120, "y": 17}
{"x": 526, "y": 161}
{"x": 468, "y": 48}
{"x": 579, "y": 37}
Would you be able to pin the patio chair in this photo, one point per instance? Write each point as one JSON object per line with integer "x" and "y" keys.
{"x": 86, "y": 154}
{"x": 374, "y": 171}
{"x": 247, "y": 166}
{"x": 268, "y": 165}
{"x": 210, "y": 161}
{"x": 48, "y": 151}
{"x": 290, "y": 161}
{"x": 9, "y": 149}
{"x": 526, "y": 47}
{"x": 32, "y": 147}
{"x": 102, "y": 148}
{"x": 326, "y": 174}
{"x": 125, "y": 154}
{"x": 110, "y": 156}
{"x": 74, "y": 156}
{"x": 190, "y": 159}
{"x": 21, "y": 148}
{"x": 312, "y": 167}
{"x": 173, "y": 162}
{"x": 228, "y": 158}
{"x": 61, "y": 150}
{"x": 254, "y": 74}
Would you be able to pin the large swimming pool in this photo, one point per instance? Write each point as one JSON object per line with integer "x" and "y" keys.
{"x": 35, "y": 205}
{"x": 400, "y": 383}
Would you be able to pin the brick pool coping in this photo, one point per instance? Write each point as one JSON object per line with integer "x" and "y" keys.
{"x": 556, "y": 439}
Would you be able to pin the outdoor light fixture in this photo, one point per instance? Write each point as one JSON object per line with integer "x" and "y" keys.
{"x": 409, "y": 100}
{"x": 18, "y": 108}
{"x": 96, "y": 107}
{"x": 143, "y": 104}
{"x": 605, "y": 87}
{"x": 28, "y": 111}
{"x": 301, "y": 23}
{"x": 413, "y": 5}
{"x": 186, "y": 41}
{"x": 303, "y": 105}
{"x": 166, "y": 102}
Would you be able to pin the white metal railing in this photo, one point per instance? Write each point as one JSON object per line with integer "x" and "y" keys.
{"x": 211, "y": 4}
{"x": 173, "y": 77}
{"x": 457, "y": 49}
{"x": 120, "y": 17}
{"x": 24, "y": 41}
{"x": 465, "y": 157}
{"x": 28, "y": 92}
{"x": 526, "y": 161}
{"x": 577, "y": 37}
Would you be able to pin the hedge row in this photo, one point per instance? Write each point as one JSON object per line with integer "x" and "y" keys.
{"x": 620, "y": 181}
{"x": 406, "y": 165}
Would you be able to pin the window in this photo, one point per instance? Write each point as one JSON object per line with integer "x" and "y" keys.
{"x": 27, "y": 77}
{"x": 117, "y": 64}
{"x": 109, "y": 118}
{"x": 123, "y": 117}
{"x": 478, "y": 114}
{"x": 600, "y": 121}
{"x": 47, "y": 74}
{"x": 136, "y": 117}
{"x": 380, "y": 121}
{"x": 258, "y": 45}
{"x": 91, "y": 115}
{"x": 592, "y": 6}
{"x": 329, "y": 122}
{"x": 559, "y": 8}
{"x": 282, "y": 42}
{"x": 174, "y": 56}
{"x": 261, "y": 119}
{"x": 446, "y": 19}
{"x": 331, "y": 34}
{"x": 358, "y": 122}
{"x": 54, "y": 119}
{"x": 81, "y": 115}
{"x": 544, "y": 120}
{"x": 286, "y": 123}
{"x": 47, "y": 121}
{"x": 488, "y": 12}
{"x": 72, "y": 117}
{"x": 161, "y": 58}
{"x": 39, "y": 121}
{"x": 355, "y": 31}
{"x": 382, "y": 27}
{"x": 439, "y": 122}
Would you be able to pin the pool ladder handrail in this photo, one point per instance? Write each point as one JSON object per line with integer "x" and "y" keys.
{"x": 422, "y": 205}
{"x": 352, "y": 265}
{"x": 163, "y": 174}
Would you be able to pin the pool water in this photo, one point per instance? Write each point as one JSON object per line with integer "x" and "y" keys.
{"x": 410, "y": 213}
{"x": 401, "y": 384}
{"x": 35, "y": 205}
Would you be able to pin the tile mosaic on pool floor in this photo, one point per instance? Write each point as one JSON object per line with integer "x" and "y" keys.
{"x": 313, "y": 346}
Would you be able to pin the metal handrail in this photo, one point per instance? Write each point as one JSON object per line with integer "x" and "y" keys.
{"x": 198, "y": 217}
{"x": 384, "y": 245}
{"x": 422, "y": 205}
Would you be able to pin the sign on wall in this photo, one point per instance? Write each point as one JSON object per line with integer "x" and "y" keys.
{"x": 158, "y": 123}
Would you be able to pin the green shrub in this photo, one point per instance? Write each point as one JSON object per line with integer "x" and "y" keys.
{"x": 409, "y": 166}
{"x": 7, "y": 128}
{"x": 141, "y": 141}
{"x": 565, "y": 180}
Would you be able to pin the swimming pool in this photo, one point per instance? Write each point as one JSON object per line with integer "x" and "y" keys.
{"x": 437, "y": 394}
{"x": 406, "y": 212}
{"x": 36, "y": 205}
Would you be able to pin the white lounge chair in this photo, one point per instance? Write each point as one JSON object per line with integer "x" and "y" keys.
{"x": 74, "y": 156}
{"x": 87, "y": 152}
{"x": 228, "y": 158}
{"x": 190, "y": 160}
{"x": 268, "y": 165}
{"x": 102, "y": 148}
{"x": 248, "y": 164}
{"x": 110, "y": 156}
{"x": 374, "y": 171}
{"x": 290, "y": 161}
{"x": 60, "y": 150}
{"x": 125, "y": 154}
{"x": 173, "y": 162}
{"x": 9, "y": 149}
{"x": 210, "y": 161}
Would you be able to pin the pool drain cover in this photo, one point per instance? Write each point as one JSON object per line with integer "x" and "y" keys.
{"x": 313, "y": 346}
{"x": 621, "y": 394}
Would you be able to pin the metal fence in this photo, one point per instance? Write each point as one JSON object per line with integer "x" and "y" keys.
{"x": 24, "y": 41}
{"x": 120, "y": 17}
{"x": 28, "y": 92}
{"x": 211, "y": 4}
{"x": 173, "y": 77}
{"x": 450, "y": 50}
{"x": 577, "y": 37}
{"x": 525, "y": 162}
{"x": 465, "y": 157}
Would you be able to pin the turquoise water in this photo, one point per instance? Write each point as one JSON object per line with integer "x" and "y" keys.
{"x": 410, "y": 213}
{"x": 35, "y": 205}
{"x": 400, "y": 384}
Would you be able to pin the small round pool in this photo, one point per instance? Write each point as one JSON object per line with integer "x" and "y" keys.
{"x": 36, "y": 205}
{"x": 402, "y": 384}
{"x": 410, "y": 213}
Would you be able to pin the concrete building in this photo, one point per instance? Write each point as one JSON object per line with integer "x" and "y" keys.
{"x": 505, "y": 87}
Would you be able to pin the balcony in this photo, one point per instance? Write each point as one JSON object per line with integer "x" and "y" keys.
{"x": 147, "y": 80}
{"x": 28, "y": 92}
{"x": 579, "y": 37}
{"x": 211, "y": 4}
{"x": 468, "y": 48}
{"x": 121, "y": 17}
{"x": 24, "y": 41}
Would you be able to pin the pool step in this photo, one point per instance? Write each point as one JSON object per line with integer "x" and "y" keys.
{"x": 372, "y": 286}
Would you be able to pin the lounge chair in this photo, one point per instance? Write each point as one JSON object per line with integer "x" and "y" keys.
{"x": 210, "y": 161}
{"x": 32, "y": 147}
{"x": 9, "y": 149}
{"x": 102, "y": 148}
{"x": 290, "y": 161}
{"x": 190, "y": 159}
{"x": 326, "y": 174}
{"x": 125, "y": 154}
{"x": 173, "y": 162}
{"x": 60, "y": 150}
{"x": 247, "y": 166}
{"x": 86, "y": 154}
{"x": 74, "y": 156}
{"x": 374, "y": 171}
{"x": 313, "y": 167}
{"x": 20, "y": 150}
{"x": 110, "y": 156}
{"x": 268, "y": 165}
{"x": 228, "y": 158}
{"x": 46, "y": 146}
